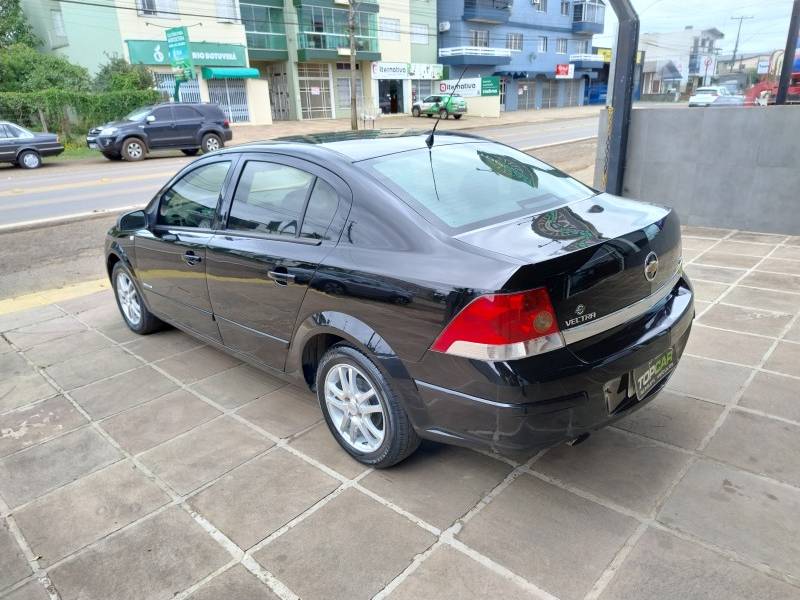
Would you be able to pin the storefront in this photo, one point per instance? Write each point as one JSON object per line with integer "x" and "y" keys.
{"x": 396, "y": 86}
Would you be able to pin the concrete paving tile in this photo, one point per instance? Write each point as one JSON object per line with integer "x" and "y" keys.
{"x": 451, "y": 575}
{"x": 33, "y": 590}
{"x": 774, "y": 394}
{"x": 715, "y": 258}
{"x": 630, "y": 470}
{"x": 664, "y": 567}
{"x": 83, "y": 370}
{"x": 152, "y": 560}
{"x": 766, "y": 299}
{"x": 740, "y": 348}
{"x": 20, "y": 385}
{"x": 103, "y": 315}
{"x": 743, "y": 248}
{"x": 22, "y": 318}
{"x": 759, "y": 444}
{"x": 45, "y": 331}
{"x": 438, "y": 483}
{"x": 283, "y": 412}
{"x": 29, "y": 426}
{"x": 756, "y": 237}
{"x": 65, "y": 348}
{"x": 740, "y": 512}
{"x": 319, "y": 444}
{"x": 76, "y": 515}
{"x": 13, "y": 565}
{"x": 119, "y": 332}
{"x": 778, "y": 265}
{"x": 162, "y": 344}
{"x": 83, "y": 303}
{"x": 717, "y": 274}
{"x": 110, "y": 396}
{"x": 674, "y": 419}
{"x": 34, "y": 471}
{"x": 747, "y": 320}
{"x": 695, "y": 243}
{"x": 5, "y": 347}
{"x": 204, "y": 453}
{"x": 689, "y": 255}
{"x": 793, "y": 241}
{"x": 258, "y": 498}
{"x": 794, "y": 333}
{"x": 792, "y": 253}
{"x": 236, "y": 583}
{"x": 773, "y": 281}
{"x": 159, "y": 420}
{"x": 785, "y": 359}
{"x": 708, "y": 232}
{"x": 708, "y": 291}
{"x": 198, "y": 364}
{"x": 553, "y": 538}
{"x": 339, "y": 534}
{"x": 238, "y": 386}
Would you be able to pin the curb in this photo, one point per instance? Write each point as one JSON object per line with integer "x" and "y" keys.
{"x": 65, "y": 220}
{"x": 562, "y": 143}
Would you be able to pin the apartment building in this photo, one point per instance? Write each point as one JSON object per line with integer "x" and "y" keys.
{"x": 679, "y": 61}
{"x": 540, "y": 49}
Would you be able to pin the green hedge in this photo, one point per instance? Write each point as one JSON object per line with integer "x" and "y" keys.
{"x": 65, "y": 112}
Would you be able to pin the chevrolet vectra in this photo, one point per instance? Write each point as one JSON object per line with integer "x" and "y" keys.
{"x": 453, "y": 289}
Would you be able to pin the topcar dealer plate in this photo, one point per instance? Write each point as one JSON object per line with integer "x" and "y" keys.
{"x": 647, "y": 376}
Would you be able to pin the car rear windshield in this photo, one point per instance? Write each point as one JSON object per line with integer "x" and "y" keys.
{"x": 707, "y": 91}
{"x": 460, "y": 187}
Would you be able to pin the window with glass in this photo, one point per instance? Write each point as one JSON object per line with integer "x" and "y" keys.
{"x": 192, "y": 200}
{"x": 322, "y": 206}
{"x": 327, "y": 28}
{"x": 541, "y": 5}
{"x": 514, "y": 41}
{"x": 479, "y": 38}
{"x": 263, "y": 26}
{"x": 565, "y": 7}
{"x": 226, "y": 10}
{"x": 589, "y": 11}
{"x": 167, "y": 9}
{"x": 389, "y": 29}
{"x": 57, "y": 19}
{"x": 542, "y": 43}
{"x": 270, "y": 199}
{"x": 561, "y": 45}
{"x": 583, "y": 47}
{"x": 419, "y": 34}
{"x": 421, "y": 88}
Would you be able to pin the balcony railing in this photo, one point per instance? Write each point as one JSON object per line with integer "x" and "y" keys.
{"x": 334, "y": 41}
{"x": 585, "y": 58}
{"x": 265, "y": 41}
{"x": 588, "y": 16}
{"x": 474, "y": 51}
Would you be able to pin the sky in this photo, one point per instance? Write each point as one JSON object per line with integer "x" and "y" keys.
{"x": 766, "y": 31}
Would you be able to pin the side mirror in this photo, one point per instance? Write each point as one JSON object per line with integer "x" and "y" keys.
{"x": 150, "y": 118}
{"x": 132, "y": 221}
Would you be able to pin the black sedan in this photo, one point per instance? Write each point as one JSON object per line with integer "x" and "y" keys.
{"x": 25, "y": 148}
{"x": 463, "y": 292}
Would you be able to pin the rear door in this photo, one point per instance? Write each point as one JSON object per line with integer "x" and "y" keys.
{"x": 8, "y": 144}
{"x": 187, "y": 123}
{"x": 161, "y": 131}
{"x": 170, "y": 256}
{"x": 279, "y": 228}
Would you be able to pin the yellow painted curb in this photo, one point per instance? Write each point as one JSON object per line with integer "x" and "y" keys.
{"x": 45, "y": 297}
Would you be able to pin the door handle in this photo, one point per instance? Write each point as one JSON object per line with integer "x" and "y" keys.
{"x": 191, "y": 259}
{"x": 281, "y": 277}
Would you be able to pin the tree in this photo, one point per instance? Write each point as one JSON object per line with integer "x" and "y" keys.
{"x": 119, "y": 75}
{"x": 14, "y": 26}
{"x": 23, "y": 69}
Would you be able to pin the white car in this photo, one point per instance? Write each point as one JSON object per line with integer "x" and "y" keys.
{"x": 714, "y": 96}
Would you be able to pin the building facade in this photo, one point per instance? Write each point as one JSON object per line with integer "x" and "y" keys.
{"x": 541, "y": 49}
{"x": 679, "y": 61}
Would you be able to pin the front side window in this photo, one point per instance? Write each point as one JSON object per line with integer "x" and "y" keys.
{"x": 565, "y": 7}
{"x": 561, "y": 45}
{"x": 163, "y": 114}
{"x": 138, "y": 114}
{"x": 542, "y": 43}
{"x": 514, "y": 41}
{"x": 270, "y": 199}
{"x": 479, "y": 38}
{"x": 541, "y": 5}
{"x": 192, "y": 200}
{"x": 450, "y": 184}
{"x": 321, "y": 207}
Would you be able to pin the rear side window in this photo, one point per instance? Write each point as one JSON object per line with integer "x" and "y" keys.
{"x": 459, "y": 187}
{"x": 319, "y": 214}
{"x": 270, "y": 199}
{"x": 192, "y": 200}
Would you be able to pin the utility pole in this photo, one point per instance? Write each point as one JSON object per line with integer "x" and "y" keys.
{"x": 353, "y": 78}
{"x": 736, "y": 45}
{"x": 788, "y": 55}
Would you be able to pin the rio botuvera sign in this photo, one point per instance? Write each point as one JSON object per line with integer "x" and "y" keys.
{"x": 180, "y": 53}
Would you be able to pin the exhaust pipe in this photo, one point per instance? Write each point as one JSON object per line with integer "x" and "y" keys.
{"x": 578, "y": 440}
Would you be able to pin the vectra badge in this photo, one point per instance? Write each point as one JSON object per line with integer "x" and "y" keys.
{"x": 651, "y": 266}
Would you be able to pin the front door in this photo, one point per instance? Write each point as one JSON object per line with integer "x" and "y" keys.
{"x": 187, "y": 124}
{"x": 278, "y": 231}
{"x": 161, "y": 129}
{"x": 171, "y": 255}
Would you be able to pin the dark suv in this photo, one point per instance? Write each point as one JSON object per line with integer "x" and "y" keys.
{"x": 188, "y": 127}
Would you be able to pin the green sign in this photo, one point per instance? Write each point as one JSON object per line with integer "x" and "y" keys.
{"x": 490, "y": 86}
{"x": 209, "y": 54}
{"x": 180, "y": 54}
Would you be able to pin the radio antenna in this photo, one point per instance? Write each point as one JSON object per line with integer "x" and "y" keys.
{"x": 429, "y": 139}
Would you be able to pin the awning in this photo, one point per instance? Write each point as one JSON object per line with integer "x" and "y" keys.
{"x": 230, "y": 73}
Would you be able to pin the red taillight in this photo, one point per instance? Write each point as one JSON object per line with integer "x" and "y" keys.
{"x": 226, "y": 123}
{"x": 503, "y": 327}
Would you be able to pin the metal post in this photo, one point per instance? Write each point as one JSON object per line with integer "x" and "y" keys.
{"x": 176, "y": 95}
{"x": 788, "y": 54}
{"x": 622, "y": 98}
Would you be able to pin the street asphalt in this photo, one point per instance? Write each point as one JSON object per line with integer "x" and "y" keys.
{"x": 66, "y": 189}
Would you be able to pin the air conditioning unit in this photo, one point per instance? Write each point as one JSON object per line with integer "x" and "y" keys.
{"x": 444, "y": 26}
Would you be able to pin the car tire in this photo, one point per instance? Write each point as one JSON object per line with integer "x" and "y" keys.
{"x": 190, "y": 151}
{"x": 133, "y": 149}
{"x": 131, "y": 304}
{"x": 415, "y": 111}
{"x": 112, "y": 156}
{"x": 29, "y": 159}
{"x": 457, "y": 117}
{"x": 443, "y": 114}
{"x": 429, "y": 115}
{"x": 210, "y": 143}
{"x": 375, "y": 431}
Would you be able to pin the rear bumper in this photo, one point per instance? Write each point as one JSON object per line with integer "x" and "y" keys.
{"x": 227, "y": 134}
{"x": 536, "y": 404}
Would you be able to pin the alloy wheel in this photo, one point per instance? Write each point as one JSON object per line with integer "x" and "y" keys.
{"x": 355, "y": 408}
{"x": 134, "y": 149}
{"x": 129, "y": 299}
{"x": 212, "y": 144}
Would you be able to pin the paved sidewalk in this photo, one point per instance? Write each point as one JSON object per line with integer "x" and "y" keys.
{"x": 153, "y": 468}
